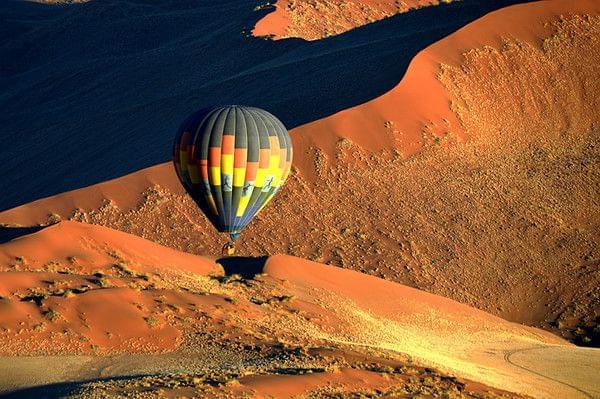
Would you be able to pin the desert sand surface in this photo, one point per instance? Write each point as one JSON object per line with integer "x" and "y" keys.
{"x": 317, "y": 19}
{"x": 448, "y": 174}
{"x": 91, "y": 303}
{"x": 440, "y": 226}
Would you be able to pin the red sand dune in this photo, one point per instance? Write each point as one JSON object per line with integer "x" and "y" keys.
{"x": 412, "y": 113}
{"x": 296, "y": 385}
{"x": 60, "y": 266}
{"x": 433, "y": 329}
{"x": 418, "y": 109}
{"x": 95, "y": 196}
{"x": 447, "y": 242}
{"x": 97, "y": 245}
{"x": 316, "y": 19}
{"x": 130, "y": 295}
{"x": 76, "y": 288}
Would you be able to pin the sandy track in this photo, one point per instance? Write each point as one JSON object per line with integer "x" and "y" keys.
{"x": 570, "y": 371}
{"x": 64, "y": 372}
{"x": 575, "y": 368}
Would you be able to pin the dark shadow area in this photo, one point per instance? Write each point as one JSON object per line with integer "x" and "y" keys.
{"x": 247, "y": 267}
{"x": 94, "y": 91}
{"x": 10, "y": 233}
{"x": 57, "y": 390}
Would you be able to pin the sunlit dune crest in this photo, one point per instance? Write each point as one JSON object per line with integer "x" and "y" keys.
{"x": 316, "y": 19}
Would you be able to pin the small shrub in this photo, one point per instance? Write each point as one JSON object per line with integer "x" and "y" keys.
{"x": 285, "y": 298}
{"x": 81, "y": 290}
{"x": 52, "y": 315}
{"x": 122, "y": 266}
{"x": 152, "y": 321}
{"x": 38, "y": 298}
{"x": 103, "y": 282}
{"x": 53, "y": 218}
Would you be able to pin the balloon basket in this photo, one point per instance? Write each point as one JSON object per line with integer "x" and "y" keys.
{"x": 229, "y": 249}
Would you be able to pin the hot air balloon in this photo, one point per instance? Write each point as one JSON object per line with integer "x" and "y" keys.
{"x": 232, "y": 160}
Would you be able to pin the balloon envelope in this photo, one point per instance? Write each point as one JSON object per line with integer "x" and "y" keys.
{"x": 232, "y": 160}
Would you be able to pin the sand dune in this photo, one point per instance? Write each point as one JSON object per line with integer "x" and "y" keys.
{"x": 95, "y": 91}
{"x": 474, "y": 180}
{"x": 51, "y": 269}
{"x": 435, "y": 330}
{"x": 438, "y": 229}
{"x": 420, "y": 110}
{"x": 118, "y": 293}
{"x": 316, "y": 19}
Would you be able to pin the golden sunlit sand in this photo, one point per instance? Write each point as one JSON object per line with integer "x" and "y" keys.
{"x": 316, "y": 19}
{"x": 438, "y": 229}
{"x": 117, "y": 293}
{"x": 440, "y": 240}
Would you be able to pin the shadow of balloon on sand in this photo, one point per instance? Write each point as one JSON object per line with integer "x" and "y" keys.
{"x": 93, "y": 91}
{"x": 245, "y": 266}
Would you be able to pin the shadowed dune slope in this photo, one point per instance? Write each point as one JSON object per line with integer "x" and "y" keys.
{"x": 94, "y": 91}
{"x": 95, "y": 291}
{"x": 506, "y": 221}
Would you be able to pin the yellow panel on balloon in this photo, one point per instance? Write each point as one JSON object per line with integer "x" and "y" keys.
{"x": 273, "y": 163}
{"x": 227, "y": 164}
{"x": 215, "y": 175}
{"x": 242, "y": 206}
{"x": 261, "y": 174}
{"x": 239, "y": 177}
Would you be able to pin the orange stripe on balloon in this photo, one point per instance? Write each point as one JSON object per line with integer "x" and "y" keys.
{"x": 214, "y": 156}
{"x": 204, "y": 169}
{"x": 251, "y": 168}
{"x": 263, "y": 158}
{"x": 240, "y": 157}
{"x": 228, "y": 144}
